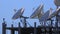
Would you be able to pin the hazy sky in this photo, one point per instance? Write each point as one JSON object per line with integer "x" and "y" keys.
{"x": 7, "y": 6}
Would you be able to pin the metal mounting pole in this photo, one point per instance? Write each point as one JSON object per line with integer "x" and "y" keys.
{"x": 51, "y": 27}
{"x": 56, "y": 22}
{"x": 25, "y": 25}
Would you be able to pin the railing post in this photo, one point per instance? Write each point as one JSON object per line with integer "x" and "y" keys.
{"x": 35, "y": 32}
{"x": 3, "y": 28}
{"x": 19, "y": 28}
{"x": 12, "y": 29}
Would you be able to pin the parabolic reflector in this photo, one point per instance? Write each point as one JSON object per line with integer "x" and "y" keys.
{"x": 18, "y": 13}
{"x": 46, "y": 15}
{"x": 57, "y": 2}
{"x": 55, "y": 13}
{"x": 38, "y": 12}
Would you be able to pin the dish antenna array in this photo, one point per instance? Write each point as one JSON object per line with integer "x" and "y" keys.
{"x": 38, "y": 13}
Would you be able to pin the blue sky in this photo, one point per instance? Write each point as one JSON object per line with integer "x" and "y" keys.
{"x": 7, "y": 6}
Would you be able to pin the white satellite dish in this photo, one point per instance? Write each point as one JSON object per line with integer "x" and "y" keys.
{"x": 57, "y": 3}
{"x": 18, "y": 14}
{"x": 46, "y": 15}
{"x": 38, "y": 12}
{"x": 55, "y": 13}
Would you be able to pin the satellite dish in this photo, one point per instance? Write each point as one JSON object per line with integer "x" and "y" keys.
{"x": 18, "y": 14}
{"x": 46, "y": 15}
{"x": 38, "y": 12}
{"x": 57, "y": 3}
{"x": 55, "y": 13}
